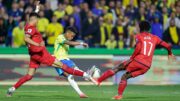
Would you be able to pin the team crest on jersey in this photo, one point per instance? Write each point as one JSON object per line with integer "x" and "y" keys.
{"x": 29, "y": 30}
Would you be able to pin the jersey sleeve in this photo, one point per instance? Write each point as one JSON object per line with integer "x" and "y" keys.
{"x": 164, "y": 44}
{"x": 30, "y": 31}
{"x": 137, "y": 48}
{"x": 167, "y": 46}
{"x": 158, "y": 40}
{"x": 61, "y": 39}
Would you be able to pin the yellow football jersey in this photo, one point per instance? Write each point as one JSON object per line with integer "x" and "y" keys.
{"x": 55, "y": 29}
{"x": 61, "y": 49}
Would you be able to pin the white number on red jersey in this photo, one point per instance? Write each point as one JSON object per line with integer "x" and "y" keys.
{"x": 147, "y": 52}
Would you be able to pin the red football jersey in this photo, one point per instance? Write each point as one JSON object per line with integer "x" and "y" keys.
{"x": 145, "y": 46}
{"x": 35, "y": 36}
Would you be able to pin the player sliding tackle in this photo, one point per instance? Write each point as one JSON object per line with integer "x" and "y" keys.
{"x": 140, "y": 61}
{"x": 61, "y": 47}
{"x": 39, "y": 54}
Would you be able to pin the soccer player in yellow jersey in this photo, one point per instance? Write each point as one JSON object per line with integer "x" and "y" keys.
{"x": 61, "y": 47}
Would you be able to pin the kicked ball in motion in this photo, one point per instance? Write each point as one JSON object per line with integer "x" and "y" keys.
{"x": 95, "y": 72}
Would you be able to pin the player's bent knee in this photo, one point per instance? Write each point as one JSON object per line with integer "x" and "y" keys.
{"x": 121, "y": 67}
{"x": 70, "y": 77}
{"x": 126, "y": 76}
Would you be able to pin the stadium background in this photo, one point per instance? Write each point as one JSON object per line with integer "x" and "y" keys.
{"x": 15, "y": 63}
{"x": 108, "y": 26}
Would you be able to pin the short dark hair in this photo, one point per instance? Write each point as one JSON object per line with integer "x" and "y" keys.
{"x": 33, "y": 14}
{"x": 72, "y": 29}
{"x": 144, "y": 26}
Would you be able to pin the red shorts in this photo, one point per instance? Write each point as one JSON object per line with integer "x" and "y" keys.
{"x": 136, "y": 68}
{"x": 43, "y": 57}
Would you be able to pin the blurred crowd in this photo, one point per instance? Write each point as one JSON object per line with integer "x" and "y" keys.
{"x": 100, "y": 23}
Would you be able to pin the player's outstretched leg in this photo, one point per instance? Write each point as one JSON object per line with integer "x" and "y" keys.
{"x": 73, "y": 83}
{"x": 110, "y": 73}
{"x": 21, "y": 81}
{"x": 122, "y": 85}
{"x": 73, "y": 71}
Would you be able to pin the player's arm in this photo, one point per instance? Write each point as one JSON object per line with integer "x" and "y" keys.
{"x": 28, "y": 40}
{"x": 168, "y": 48}
{"x": 136, "y": 50}
{"x": 30, "y": 31}
{"x": 75, "y": 43}
{"x": 164, "y": 44}
{"x": 37, "y": 6}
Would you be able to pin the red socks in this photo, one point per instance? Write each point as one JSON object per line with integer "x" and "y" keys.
{"x": 122, "y": 86}
{"x": 72, "y": 70}
{"x": 106, "y": 75}
{"x": 22, "y": 80}
{"x": 65, "y": 68}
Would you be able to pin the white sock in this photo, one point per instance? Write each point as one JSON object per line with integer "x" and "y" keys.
{"x": 74, "y": 84}
{"x": 85, "y": 75}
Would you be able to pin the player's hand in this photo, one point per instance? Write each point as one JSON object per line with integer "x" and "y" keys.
{"x": 85, "y": 45}
{"x": 42, "y": 43}
{"x": 37, "y": 3}
{"x": 171, "y": 57}
{"x": 37, "y": 6}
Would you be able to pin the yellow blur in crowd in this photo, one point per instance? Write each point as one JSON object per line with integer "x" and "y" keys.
{"x": 69, "y": 10}
{"x": 59, "y": 14}
{"x": 42, "y": 24}
{"x": 18, "y": 35}
{"x": 53, "y": 30}
{"x": 127, "y": 2}
{"x": 111, "y": 43}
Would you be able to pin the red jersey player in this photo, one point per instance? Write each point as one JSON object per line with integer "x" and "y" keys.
{"x": 39, "y": 54}
{"x": 140, "y": 61}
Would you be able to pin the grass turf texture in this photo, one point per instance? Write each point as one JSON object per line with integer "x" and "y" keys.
{"x": 103, "y": 93}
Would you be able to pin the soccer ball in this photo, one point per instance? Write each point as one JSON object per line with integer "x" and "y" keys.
{"x": 95, "y": 72}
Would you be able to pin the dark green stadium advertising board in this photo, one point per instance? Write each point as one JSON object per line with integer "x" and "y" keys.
{"x": 24, "y": 50}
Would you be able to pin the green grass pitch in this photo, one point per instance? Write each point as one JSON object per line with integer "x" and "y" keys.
{"x": 103, "y": 93}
